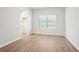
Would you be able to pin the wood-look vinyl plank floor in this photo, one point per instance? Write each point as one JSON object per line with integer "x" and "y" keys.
{"x": 39, "y": 43}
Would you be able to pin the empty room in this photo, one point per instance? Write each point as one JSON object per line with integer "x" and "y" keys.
{"x": 39, "y": 29}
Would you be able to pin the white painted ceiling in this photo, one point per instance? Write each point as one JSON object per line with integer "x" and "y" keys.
{"x": 34, "y": 8}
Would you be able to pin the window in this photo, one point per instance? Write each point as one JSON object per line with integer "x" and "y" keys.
{"x": 47, "y": 21}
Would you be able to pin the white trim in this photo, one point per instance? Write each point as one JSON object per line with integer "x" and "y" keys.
{"x": 7, "y": 43}
{"x": 59, "y": 34}
{"x": 48, "y": 34}
{"x": 71, "y": 42}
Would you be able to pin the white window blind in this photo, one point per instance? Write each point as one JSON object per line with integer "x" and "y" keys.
{"x": 47, "y": 22}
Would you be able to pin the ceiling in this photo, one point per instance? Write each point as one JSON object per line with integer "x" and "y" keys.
{"x": 34, "y": 8}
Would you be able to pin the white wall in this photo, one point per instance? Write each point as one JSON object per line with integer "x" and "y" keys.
{"x": 9, "y": 24}
{"x": 60, "y": 17}
{"x": 72, "y": 25}
{"x": 27, "y": 25}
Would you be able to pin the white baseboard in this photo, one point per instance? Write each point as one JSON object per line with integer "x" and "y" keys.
{"x": 7, "y": 43}
{"x": 68, "y": 38}
{"x": 59, "y": 34}
{"x": 47, "y": 34}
